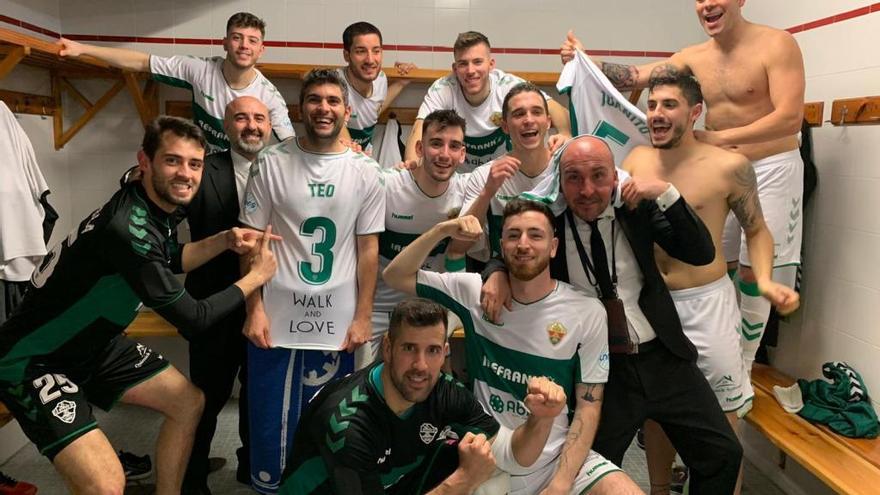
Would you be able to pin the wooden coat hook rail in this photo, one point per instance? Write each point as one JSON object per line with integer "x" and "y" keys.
{"x": 856, "y": 111}
{"x": 28, "y": 103}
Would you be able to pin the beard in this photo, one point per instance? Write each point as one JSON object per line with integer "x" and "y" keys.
{"x": 677, "y": 134}
{"x": 163, "y": 190}
{"x": 414, "y": 396}
{"x": 247, "y": 146}
{"x": 333, "y": 136}
{"x": 529, "y": 271}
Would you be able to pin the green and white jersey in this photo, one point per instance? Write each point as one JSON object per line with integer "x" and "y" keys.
{"x": 510, "y": 189}
{"x": 318, "y": 203}
{"x": 409, "y": 213}
{"x": 563, "y": 337}
{"x": 365, "y": 111}
{"x": 596, "y": 107}
{"x": 211, "y": 94}
{"x": 483, "y": 138}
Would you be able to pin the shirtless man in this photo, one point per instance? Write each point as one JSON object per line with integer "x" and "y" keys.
{"x": 753, "y": 77}
{"x": 715, "y": 182}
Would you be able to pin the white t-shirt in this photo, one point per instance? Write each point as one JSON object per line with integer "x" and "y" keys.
{"x": 409, "y": 213}
{"x": 563, "y": 336}
{"x": 211, "y": 94}
{"x": 510, "y": 189}
{"x": 318, "y": 203}
{"x": 483, "y": 138}
{"x": 365, "y": 111}
{"x": 600, "y": 109}
{"x": 241, "y": 166}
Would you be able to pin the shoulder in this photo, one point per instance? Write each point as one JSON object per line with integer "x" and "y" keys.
{"x": 131, "y": 228}
{"x": 445, "y": 83}
{"x": 503, "y": 79}
{"x": 636, "y": 157}
{"x": 729, "y": 162}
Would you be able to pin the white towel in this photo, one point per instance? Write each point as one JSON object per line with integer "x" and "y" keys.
{"x": 389, "y": 149}
{"x": 790, "y": 398}
{"x": 21, "y": 186}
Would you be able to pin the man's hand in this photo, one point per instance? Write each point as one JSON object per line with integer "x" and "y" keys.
{"x": 408, "y": 165}
{"x": 502, "y": 169}
{"x": 637, "y": 189}
{"x": 544, "y": 398}
{"x": 783, "y": 297}
{"x": 263, "y": 264}
{"x": 569, "y": 47}
{"x": 403, "y": 69}
{"x": 256, "y": 328}
{"x": 69, "y": 48}
{"x": 352, "y": 144}
{"x": 715, "y": 138}
{"x": 244, "y": 240}
{"x": 359, "y": 333}
{"x": 495, "y": 294}
{"x": 475, "y": 459}
{"x": 557, "y": 140}
{"x": 466, "y": 228}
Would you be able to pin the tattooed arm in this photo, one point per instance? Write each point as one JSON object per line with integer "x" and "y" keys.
{"x": 580, "y": 436}
{"x": 744, "y": 203}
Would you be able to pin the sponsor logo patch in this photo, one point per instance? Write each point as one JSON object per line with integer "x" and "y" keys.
{"x": 65, "y": 411}
{"x": 427, "y": 432}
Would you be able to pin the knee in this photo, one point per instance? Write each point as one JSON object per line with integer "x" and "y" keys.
{"x": 189, "y": 404}
{"x": 108, "y": 484}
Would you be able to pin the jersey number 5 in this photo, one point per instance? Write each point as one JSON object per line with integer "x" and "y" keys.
{"x": 318, "y": 272}
{"x": 48, "y": 381}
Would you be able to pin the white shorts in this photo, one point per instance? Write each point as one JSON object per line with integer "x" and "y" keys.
{"x": 593, "y": 470}
{"x": 710, "y": 318}
{"x": 780, "y": 189}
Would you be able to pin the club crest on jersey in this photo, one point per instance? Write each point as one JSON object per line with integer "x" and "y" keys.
{"x": 65, "y": 411}
{"x": 555, "y": 332}
{"x": 495, "y": 119}
{"x": 427, "y": 432}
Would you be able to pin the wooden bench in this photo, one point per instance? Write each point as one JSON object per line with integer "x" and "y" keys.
{"x": 150, "y": 324}
{"x": 5, "y": 415}
{"x": 846, "y": 465}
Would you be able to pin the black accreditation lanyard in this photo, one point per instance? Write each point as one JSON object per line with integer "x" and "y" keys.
{"x": 588, "y": 265}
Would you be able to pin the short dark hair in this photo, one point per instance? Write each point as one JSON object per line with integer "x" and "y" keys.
{"x": 246, "y": 20}
{"x": 518, "y": 206}
{"x": 669, "y": 75}
{"x": 175, "y": 125}
{"x": 443, "y": 119}
{"x": 317, "y": 77}
{"x": 416, "y": 312}
{"x": 358, "y": 29}
{"x": 468, "y": 39}
{"x": 523, "y": 87}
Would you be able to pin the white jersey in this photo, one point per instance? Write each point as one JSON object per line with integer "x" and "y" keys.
{"x": 483, "y": 138}
{"x": 318, "y": 203}
{"x": 563, "y": 337}
{"x": 211, "y": 94}
{"x": 599, "y": 109}
{"x": 409, "y": 213}
{"x": 510, "y": 189}
{"x": 365, "y": 111}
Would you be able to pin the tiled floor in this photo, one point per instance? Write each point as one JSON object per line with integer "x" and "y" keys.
{"x": 28, "y": 465}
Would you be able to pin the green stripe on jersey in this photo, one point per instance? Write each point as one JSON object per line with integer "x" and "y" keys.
{"x": 486, "y": 145}
{"x": 362, "y": 137}
{"x": 110, "y": 298}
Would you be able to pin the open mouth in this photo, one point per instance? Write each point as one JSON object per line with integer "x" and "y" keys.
{"x": 660, "y": 128}
{"x": 417, "y": 381}
{"x": 713, "y": 18}
{"x": 181, "y": 187}
{"x": 529, "y": 134}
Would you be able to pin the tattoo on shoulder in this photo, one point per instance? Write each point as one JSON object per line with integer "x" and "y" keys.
{"x": 589, "y": 396}
{"x": 622, "y": 77}
{"x": 746, "y": 205}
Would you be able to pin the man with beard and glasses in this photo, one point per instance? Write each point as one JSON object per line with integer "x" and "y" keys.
{"x": 753, "y": 82}
{"x": 214, "y": 81}
{"x": 369, "y": 92}
{"x": 552, "y": 330}
{"x": 217, "y": 357}
{"x": 476, "y": 90}
{"x": 715, "y": 183}
{"x": 525, "y": 118}
{"x": 63, "y": 349}
{"x": 328, "y": 203}
{"x": 404, "y": 427}
{"x": 415, "y": 201}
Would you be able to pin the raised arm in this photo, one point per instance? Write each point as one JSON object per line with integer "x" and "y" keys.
{"x": 580, "y": 436}
{"x": 117, "y": 57}
{"x": 241, "y": 241}
{"x": 397, "y": 86}
{"x": 402, "y": 273}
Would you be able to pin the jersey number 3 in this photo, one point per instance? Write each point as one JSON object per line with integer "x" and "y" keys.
{"x": 318, "y": 271}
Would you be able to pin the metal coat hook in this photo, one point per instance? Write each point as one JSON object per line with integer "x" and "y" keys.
{"x": 842, "y": 116}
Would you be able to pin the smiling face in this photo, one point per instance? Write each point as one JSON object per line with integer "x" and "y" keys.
{"x": 716, "y": 16}
{"x": 365, "y": 57}
{"x": 243, "y": 46}
{"x": 247, "y": 125}
{"x": 441, "y": 150}
{"x": 172, "y": 177}
{"x": 527, "y": 120}
{"x": 527, "y": 244}
{"x": 324, "y": 111}
{"x": 413, "y": 359}
{"x": 472, "y": 67}
{"x": 670, "y": 116}
{"x": 588, "y": 177}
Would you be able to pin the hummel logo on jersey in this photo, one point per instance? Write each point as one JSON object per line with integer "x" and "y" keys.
{"x": 384, "y": 457}
{"x": 207, "y": 96}
{"x": 401, "y": 217}
{"x": 427, "y": 432}
{"x": 65, "y": 411}
{"x": 726, "y": 381}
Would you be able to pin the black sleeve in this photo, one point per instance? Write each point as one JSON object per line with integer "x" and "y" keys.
{"x": 351, "y": 470}
{"x": 150, "y": 276}
{"x": 495, "y": 264}
{"x": 466, "y": 410}
{"x": 680, "y": 232}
